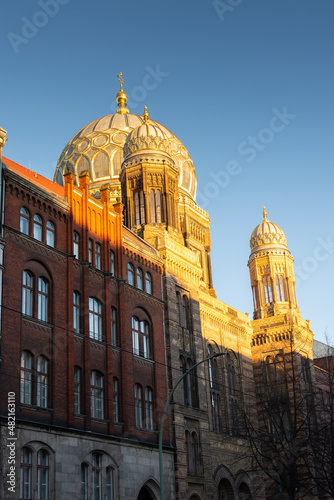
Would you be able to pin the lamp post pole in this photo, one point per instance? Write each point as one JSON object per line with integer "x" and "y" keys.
{"x": 162, "y": 492}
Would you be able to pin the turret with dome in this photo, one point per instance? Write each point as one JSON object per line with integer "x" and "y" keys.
{"x": 271, "y": 270}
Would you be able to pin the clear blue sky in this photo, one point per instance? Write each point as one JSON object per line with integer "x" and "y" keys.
{"x": 226, "y": 72}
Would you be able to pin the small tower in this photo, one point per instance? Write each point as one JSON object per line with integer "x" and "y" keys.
{"x": 271, "y": 271}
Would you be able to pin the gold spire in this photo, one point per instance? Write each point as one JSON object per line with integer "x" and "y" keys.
{"x": 264, "y": 213}
{"x": 145, "y": 115}
{"x": 121, "y": 97}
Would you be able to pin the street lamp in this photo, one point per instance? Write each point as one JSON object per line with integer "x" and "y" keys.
{"x": 162, "y": 492}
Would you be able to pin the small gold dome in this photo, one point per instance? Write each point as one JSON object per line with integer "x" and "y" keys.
{"x": 267, "y": 235}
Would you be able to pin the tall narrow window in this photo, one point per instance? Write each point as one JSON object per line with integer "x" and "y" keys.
{"x": 77, "y": 390}
{"x": 76, "y": 312}
{"x": 152, "y": 206}
{"x": 112, "y": 262}
{"x": 96, "y": 394}
{"x": 144, "y": 346}
{"x": 149, "y": 408}
{"x": 90, "y": 251}
{"x": 254, "y": 297}
{"x": 135, "y": 335}
{"x": 38, "y": 227}
{"x": 113, "y": 326}
{"x": 76, "y": 242}
{"x": 25, "y": 474}
{"x": 109, "y": 483}
{"x": 192, "y": 453}
{"x": 97, "y": 476}
{"x": 98, "y": 255}
{"x": 84, "y": 482}
{"x": 131, "y": 274}
{"x": 50, "y": 234}
{"x": 137, "y": 208}
{"x": 43, "y": 299}
{"x": 138, "y": 406}
{"x": 43, "y": 475}
{"x": 158, "y": 205}
{"x": 95, "y": 319}
{"x": 24, "y": 221}
{"x": 268, "y": 296}
{"x": 189, "y": 382}
{"x": 42, "y": 382}
{"x": 27, "y": 293}
{"x": 116, "y": 399}
{"x": 178, "y": 308}
{"x": 280, "y": 288}
{"x": 148, "y": 283}
{"x": 185, "y": 312}
{"x": 139, "y": 278}
{"x": 25, "y": 378}
{"x": 142, "y": 208}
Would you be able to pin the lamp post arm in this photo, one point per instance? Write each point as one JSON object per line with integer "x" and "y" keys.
{"x": 162, "y": 493}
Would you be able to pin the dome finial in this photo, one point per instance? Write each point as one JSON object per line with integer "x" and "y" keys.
{"x": 121, "y": 97}
{"x": 145, "y": 115}
{"x": 264, "y": 213}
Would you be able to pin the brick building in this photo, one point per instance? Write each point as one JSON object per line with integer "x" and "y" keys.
{"x": 107, "y": 299}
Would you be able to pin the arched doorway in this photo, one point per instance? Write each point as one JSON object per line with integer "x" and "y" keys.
{"x": 146, "y": 494}
{"x": 225, "y": 490}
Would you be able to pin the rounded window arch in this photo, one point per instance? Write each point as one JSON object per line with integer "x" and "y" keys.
{"x": 42, "y": 382}
{"x": 82, "y": 165}
{"x": 24, "y": 220}
{"x": 50, "y": 233}
{"x": 148, "y": 282}
{"x": 139, "y": 278}
{"x": 26, "y": 377}
{"x": 38, "y": 227}
{"x": 131, "y": 274}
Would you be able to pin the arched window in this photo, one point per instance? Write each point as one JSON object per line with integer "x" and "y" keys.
{"x": 148, "y": 282}
{"x": 97, "y": 476}
{"x": 116, "y": 399}
{"x": 152, "y": 206}
{"x": 255, "y": 301}
{"x": 267, "y": 287}
{"x": 189, "y": 383}
{"x": 96, "y": 394}
{"x": 24, "y": 221}
{"x": 50, "y": 234}
{"x": 38, "y": 226}
{"x": 149, "y": 408}
{"x": 101, "y": 165}
{"x": 43, "y": 475}
{"x": 139, "y": 278}
{"x": 25, "y": 473}
{"x": 42, "y": 382}
{"x": 95, "y": 319}
{"x": 192, "y": 453}
{"x": 112, "y": 262}
{"x": 77, "y": 390}
{"x": 232, "y": 389}
{"x": 215, "y": 394}
{"x": 113, "y": 326}
{"x": 109, "y": 483}
{"x": 140, "y": 337}
{"x": 82, "y": 165}
{"x": 139, "y": 205}
{"x": 84, "y": 481}
{"x": 90, "y": 251}
{"x": 97, "y": 255}
{"x": 25, "y": 378}
{"x": 158, "y": 205}
{"x": 280, "y": 288}
{"x": 155, "y": 205}
{"x": 43, "y": 299}
{"x": 76, "y": 312}
{"x": 213, "y": 370}
{"x": 27, "y": 293}
{"x": 138, "y": 395}
{"x": 76, "y": 242}
{"x": 185, "y": 316}
{"x": 131, "y": 274}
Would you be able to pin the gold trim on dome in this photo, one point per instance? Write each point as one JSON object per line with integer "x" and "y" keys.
{"x": 146, "y": 142}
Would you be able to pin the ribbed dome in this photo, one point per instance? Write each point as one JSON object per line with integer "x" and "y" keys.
{"x": 98, "y": 147}
{"x": 267, "y": 235}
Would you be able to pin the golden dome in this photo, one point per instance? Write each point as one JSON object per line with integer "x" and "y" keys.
{"x": 267, "y": 236}
{"x": 146, "y": 137}
{"x": 98, "y": 148}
